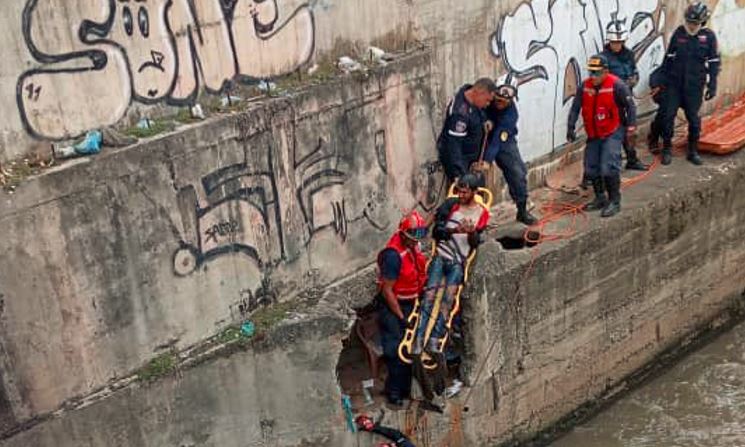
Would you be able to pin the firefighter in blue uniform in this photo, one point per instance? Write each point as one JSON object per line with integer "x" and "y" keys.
{"x": 621, "y": 63}
{"x": 609, "y": 114}
{"x": 460, "y": 141}
{"x": 503, "y": 150}
{"x": 658, "y": 87}
{"x": 691, "y": 63}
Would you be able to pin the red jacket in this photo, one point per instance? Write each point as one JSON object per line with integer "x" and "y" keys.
{"x": 599, "y": 109}
{"x": 413, "y": 274}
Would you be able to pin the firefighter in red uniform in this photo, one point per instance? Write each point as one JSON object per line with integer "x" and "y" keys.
{"x": 402, "y": 271}
{"x": 609, "y": 115}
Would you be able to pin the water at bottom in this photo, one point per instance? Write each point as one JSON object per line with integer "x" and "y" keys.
{"x": 699, "y": 402}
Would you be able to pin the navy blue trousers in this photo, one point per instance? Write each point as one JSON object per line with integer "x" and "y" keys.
{"x": 398, "y": 382}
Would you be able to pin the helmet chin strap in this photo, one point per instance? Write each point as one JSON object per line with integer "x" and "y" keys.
{"x": 695, "y": 30}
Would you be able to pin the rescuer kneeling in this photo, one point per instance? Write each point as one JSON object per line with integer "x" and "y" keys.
{"x": 401, "y": 277}
{"x": 609, "y": 116}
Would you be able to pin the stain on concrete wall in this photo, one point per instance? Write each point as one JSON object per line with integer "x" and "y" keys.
{"x": 99, "y": 56}
{"x": 728, "y": 19}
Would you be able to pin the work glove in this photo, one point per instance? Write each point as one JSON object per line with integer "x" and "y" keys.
{"x": 571, "y": 135}
{"x": 711, "y": 92}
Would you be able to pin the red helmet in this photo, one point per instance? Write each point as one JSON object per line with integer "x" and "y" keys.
{"x": 413, "y": 225}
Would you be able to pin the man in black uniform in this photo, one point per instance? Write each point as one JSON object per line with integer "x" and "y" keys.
{"x": 622, "y": 63}
{"x": 657, "y": 85}
{"x": 462, "y": 136}
{"x": 691, "y": 62}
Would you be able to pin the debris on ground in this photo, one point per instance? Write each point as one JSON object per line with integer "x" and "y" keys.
{"x": 348, "y": 65}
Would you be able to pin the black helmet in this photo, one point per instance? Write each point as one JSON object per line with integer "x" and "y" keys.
{"x": 697, "y": 13}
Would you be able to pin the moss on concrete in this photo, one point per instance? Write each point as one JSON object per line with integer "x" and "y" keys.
{"x": 158, "y": 367}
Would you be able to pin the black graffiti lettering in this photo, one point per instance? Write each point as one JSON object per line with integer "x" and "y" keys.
{"x": 143, "y": 21}
{"x": 190, "y": 45}
{"x": 33, "y": 91}
{"x": 222, "y": 229}
{"x": 127, "y": 20}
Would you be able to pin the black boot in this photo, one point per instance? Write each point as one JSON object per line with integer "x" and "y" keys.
{"x": 633, "y": 162}
{"x": 600, "y": 200}
{"x": 586, "y": 182}
{"x": 613, "y": 185}
{"x": 667, "y": 155}
{"x": 524, "y": 216}
{"x": 693, "y": 156}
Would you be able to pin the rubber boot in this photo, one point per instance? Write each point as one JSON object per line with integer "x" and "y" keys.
{"x": 600, "y": 201}
{"x": 524, "y": 216}
{"x": 613, "y": 185}
{"x": 693, "y": 156}
{"x": 633, "y": 162}
{"x": 667, "y": 155}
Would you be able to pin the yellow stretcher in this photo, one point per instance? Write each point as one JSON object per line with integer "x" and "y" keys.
{"x": 483, "y": 197}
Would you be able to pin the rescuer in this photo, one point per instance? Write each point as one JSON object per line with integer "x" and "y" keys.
{"x": 401, "y": 278}
{"x": 621, "y": 63}
{"x": 503, "y": 149}
{"x": 609, "y": 115}
{"x": 691, "y": 62}
{"x": 460, "y": 141}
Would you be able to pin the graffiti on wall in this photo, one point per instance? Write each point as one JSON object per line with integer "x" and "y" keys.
{"x": 244, "y": 211}
{"x": 544, "y": 44}
{"x": 100, "y": 55}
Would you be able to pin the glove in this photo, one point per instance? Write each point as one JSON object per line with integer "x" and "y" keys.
{"x": 571, "y": 135}
{"x": 711, "y": 92}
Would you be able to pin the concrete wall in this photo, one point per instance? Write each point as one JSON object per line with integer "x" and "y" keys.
{"x": 166, "y": 243}
{"x": 73, "y": 66}
{"x": 592, "y": 310}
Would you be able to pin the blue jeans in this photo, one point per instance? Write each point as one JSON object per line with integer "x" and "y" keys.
{"x": 452, "y": 273}
{"x": 603, "y": 155}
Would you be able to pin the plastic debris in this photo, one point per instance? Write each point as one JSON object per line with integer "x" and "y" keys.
{"x": 230, "y": 100}
{"x": 313, "y": 69}
{"x": 145, "y": 123}
{"x": 267, "y": 86}
{"x": 378, "y": 55}
{"x": 453, "y": 389}
{"x": 248, "y": 329}
{"x": 63, "y": 151}
{"x": 91, "y": 144}
{"x": 197, "y": 112}
{"x": 348, "y": 65}
{"x": 346, "y": 404}
{"x": 367, "y": 387}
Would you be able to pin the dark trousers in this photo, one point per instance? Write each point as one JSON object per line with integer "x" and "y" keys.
{"x": 398, "y": 382}
{"x": 603, "y": 155}
{"x": 514, "y": 171}
{"x": 630, "y": 150}
{"x": 690, "y": 101}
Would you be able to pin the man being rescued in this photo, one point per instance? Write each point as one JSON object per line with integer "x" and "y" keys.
{"x": 458, "y": 225}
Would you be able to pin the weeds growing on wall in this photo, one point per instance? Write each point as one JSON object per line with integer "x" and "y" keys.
{"x": 158, "y": 367}
{"x": 14, "y": 172}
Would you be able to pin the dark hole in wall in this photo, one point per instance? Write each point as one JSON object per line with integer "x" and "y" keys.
{"x": 361, "y": 360}
{"x": 518, "y": 243}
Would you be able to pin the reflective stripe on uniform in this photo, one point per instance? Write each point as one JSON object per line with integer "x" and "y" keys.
{"x": 457, "y": 134}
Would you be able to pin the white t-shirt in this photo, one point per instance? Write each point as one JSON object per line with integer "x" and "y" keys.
{"x": 457, "y": 248}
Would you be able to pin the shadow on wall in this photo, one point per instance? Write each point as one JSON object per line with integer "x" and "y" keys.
{"x": 160, "y": 51}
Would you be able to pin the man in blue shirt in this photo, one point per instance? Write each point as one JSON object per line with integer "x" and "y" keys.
{"x": 503, "y": 149}
{"x": 460, "y": 141}
{"x": 622, "y": 63}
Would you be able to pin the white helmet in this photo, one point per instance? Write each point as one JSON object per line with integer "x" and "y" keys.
{"x": 616, "y": 31}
